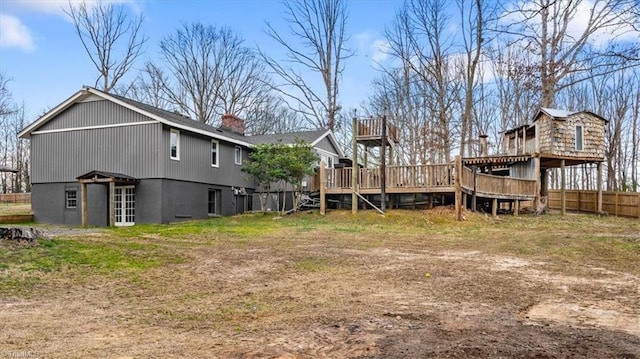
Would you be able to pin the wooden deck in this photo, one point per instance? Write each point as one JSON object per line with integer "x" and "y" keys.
{"x": 500, "y": 187}
{"x": 428, "y": 179}
{"x": 370, "y": 132}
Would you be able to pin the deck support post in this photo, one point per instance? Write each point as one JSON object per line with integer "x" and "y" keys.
{"x": 563, "y": 189}
{"x": 354, "y": 168}
{"x": 383, "y": 165}
{"x": 516, "y": 207}
{"x": 599, "y": 200}
{"x": 112, "y": 204}
{"x": 323, "y": 189}
{"x": 473, "y": 195}
{"x": 536, "y": 171}
{"x": 494, "y": 208}
{"x": 85, "y": 210}
{"x": 458, "y": 183}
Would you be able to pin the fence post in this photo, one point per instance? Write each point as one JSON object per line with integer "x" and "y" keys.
{"x": 599, "y": 196}
{"x": 354, "y": 167}
{"x": 563, "y": 190}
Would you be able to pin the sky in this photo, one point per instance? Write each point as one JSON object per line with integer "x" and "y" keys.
{"x": 44, "y": 58}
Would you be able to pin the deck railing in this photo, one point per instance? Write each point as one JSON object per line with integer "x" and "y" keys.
{"x": 417, "y": 176}
{"x": 498, "y": 185}
{"x": 372, "y": 127}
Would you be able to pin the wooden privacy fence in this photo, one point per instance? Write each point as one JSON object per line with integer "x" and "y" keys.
{"x": 625, "y": 204}
{"x": 15, "y": 198}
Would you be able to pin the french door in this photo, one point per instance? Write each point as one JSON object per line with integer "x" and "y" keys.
{"x": 124, "y": 202}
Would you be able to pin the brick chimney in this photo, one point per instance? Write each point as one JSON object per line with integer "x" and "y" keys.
{"x": 232, "y": 123}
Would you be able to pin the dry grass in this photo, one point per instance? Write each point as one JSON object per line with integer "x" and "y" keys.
{"x": 334, "y": 286}
{"x": 7, "y": 209}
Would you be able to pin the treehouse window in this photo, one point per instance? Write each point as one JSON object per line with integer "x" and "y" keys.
{"x": 579, "y": 138}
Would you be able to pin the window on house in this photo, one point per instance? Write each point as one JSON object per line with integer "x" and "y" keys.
{"x": 327, "y": 159}
{"x": 174, "y": 145}
{"x": 579, "y": 138}
{"x": 212, "y": 202}
{"x": 238, "y": 155}
{"x": 214, "y": 153}
{"x": 71, "y": 199}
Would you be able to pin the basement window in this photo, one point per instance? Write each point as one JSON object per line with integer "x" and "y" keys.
{"x": 579, "y": 138}
{"x": 71, "y": 198}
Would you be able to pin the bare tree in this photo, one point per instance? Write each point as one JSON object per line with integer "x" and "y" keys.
{"x": 549, "y": 30}
{"x": 517, "y": 85}
{"x": 148, "y": 87}
{"x": 110, "y": 37}
{"x": 635, "y": 137}
{"x": 419, "y": 39}
{"x": 319, "y": 25}
{"x": 6, "y": 102}
{"x": 209, "y": 72}
{"x": 270, "y": 115}
{"x": 471, "y": 13}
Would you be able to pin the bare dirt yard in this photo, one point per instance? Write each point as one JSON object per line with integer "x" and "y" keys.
{"x": 411, "y": 284}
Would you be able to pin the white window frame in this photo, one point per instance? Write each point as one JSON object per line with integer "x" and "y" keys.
{"x": 581, "y": 143}
{"x": 68, "y": 200}
{"x": 177, "y": 156}
{"x": 217, "y": 158}
{"x": 237, "y": 154}
{"x": 325, "y": 156}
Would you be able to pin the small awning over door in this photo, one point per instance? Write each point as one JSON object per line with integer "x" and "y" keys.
{"x": 107, "y": 178}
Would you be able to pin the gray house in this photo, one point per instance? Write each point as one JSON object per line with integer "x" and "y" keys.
{"x": 101, "y": 159}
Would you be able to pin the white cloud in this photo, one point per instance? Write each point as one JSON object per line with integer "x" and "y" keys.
{"x": 361, "y": 42}
{"x": 380, "y": 50}
{"x": 13, "y": 33}
{"x": 367, "y": 45}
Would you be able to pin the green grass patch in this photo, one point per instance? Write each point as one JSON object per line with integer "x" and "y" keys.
{"x": 101, "y": 258}
{"x": 77, "y": 259}
{"x": 249, "y": 225}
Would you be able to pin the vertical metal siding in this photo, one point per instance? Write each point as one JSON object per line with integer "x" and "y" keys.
{"x": 523, "y": 170}
{"x": 195, "y": 161}
{"x": 63, "y": 156}
{"x": 94, "y": 113}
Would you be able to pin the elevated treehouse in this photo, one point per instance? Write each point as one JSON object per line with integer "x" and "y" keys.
{"x": 554, "y": 139}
